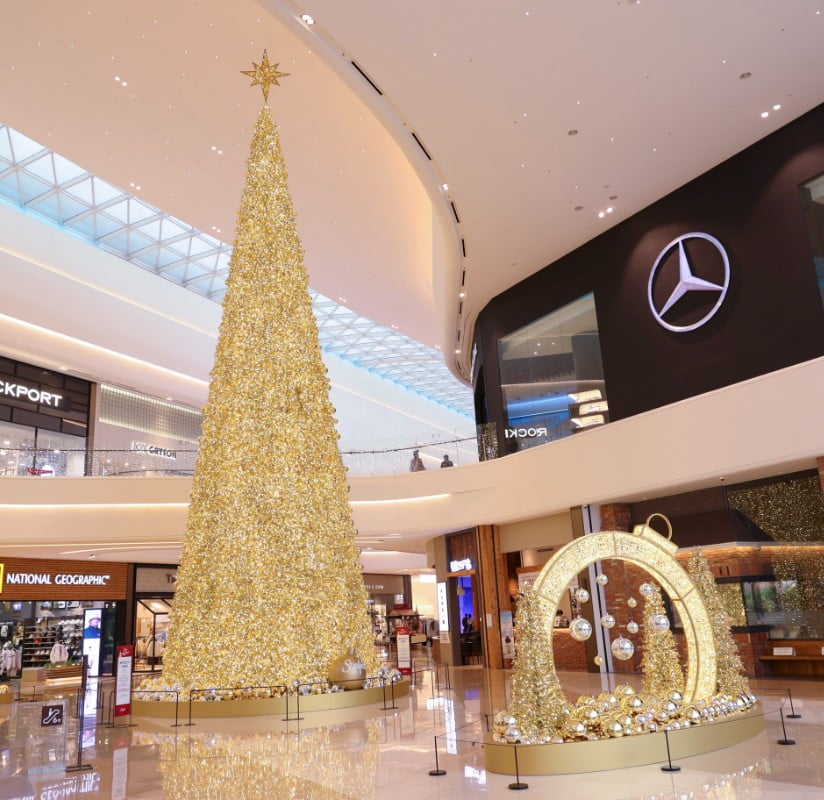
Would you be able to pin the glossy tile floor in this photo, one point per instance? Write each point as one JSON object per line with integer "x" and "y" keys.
{"x": 375, "y": 754}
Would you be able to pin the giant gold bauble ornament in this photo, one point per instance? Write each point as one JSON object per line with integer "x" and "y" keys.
{"x": 608, "y": 621}
{"x": 647, "y": 589}
{"x": 659, "y": 623}
{"x": 622, "y": 648}
{"x": 632, "y": 602}
{"x": 348, "y": 672}
{"x": 582, "y": 596}
{"x": 580, "y": 629}
{"x": 602, "y": 580}
{"x": 632, "y": 626}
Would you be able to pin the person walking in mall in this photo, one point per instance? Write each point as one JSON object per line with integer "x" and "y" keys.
{"x": 416, "y": 464}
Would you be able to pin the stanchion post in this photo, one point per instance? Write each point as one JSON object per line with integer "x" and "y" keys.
{"x": 191, "y": 692}
{"x": 792, "y": 714}
{"x": 669, "y": 766}
{"x": 437, "y": 771}
{"x": 177, "y": 708}
{"x": 785, "y": 740}
{"x": 519, "y": 784}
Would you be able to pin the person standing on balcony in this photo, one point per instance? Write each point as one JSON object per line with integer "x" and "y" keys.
{"x": 416, "y": 464}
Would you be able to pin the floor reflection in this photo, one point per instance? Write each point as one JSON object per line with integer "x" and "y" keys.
{"x": 376, "y": 754}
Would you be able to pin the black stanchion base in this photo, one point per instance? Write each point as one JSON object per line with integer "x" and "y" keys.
{"x": 670, "y": 768}
{"x": 291, "y": 719}
{"x": 785, "y": 741}
{"x": 437, "y": 772}
{"x": 516, "y": 786}
{"x": 80, "y": 768}
{"x": 793, "y": 716}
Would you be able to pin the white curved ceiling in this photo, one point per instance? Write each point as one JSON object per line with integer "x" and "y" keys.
{"x": 142, "y": 93}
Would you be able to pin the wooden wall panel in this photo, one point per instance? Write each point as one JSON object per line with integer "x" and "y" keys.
{"x": 115, "y": 588}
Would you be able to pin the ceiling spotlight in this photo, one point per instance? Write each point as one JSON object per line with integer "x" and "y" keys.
{"x": 462, "y": 295}
{"x": 445, "y": 187}
{"x": 457, "y": 351}
{"x": 307, "y": 18}
{"x": 610, "y": 210}
{"x": 601, "y": 215}
{"x": 765, "y": 114}
{"x": 777, "y": 107}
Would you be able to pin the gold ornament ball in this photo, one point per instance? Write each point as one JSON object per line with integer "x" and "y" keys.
{"x": 622, "y": 648}
{"x": 622, "y": 689}
{"x": 598, "y": 661}
{"x": 659, "y": 623}
{"x": 632, "y": 602}
{"x": 602, "y": 580}
{"x": 347, "y": 672}
{"x": 632, "y": 704}
{"x": 612, "y": 727}
{"x": 574, "y": 728}
{"x": 580, "y": 629}
{"x": 582, "y": 596}
{"x": 632, "y": 626}
{"x": 608, "y": 621}
{"x": 647, "y": 589}
{"x": 512, "y": 735}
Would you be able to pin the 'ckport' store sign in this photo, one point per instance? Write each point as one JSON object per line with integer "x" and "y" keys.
{"x": 33, "y": 579}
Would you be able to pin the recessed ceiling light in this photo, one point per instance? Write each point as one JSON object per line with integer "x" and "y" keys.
{"x": 462, "y": 295}
{"x": 307, "y": 18}
{"x": 610, "y": 210}
{"x": 445, "y": 187}
{"x": 601, "y": 215}
{"x": 457, "y": 351}
{"x": 765, "y": 114}
{"x": 777, "y": 107}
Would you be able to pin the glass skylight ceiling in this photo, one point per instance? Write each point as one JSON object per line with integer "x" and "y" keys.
{"x": 45, "y": 184}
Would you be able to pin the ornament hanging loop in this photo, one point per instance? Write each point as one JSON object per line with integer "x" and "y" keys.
{"x": 638, "y": 530}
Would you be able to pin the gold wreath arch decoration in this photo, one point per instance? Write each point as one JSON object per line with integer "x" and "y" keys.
{"x": 647, "y": 549}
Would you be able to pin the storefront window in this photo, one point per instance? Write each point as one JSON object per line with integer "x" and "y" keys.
{"x": 783, "y": 606}
{"x": 812, "y": 201}
{"x": 152, "y": 624}
{"x": 552, "y": 377}
{"x": 16, "y": 449}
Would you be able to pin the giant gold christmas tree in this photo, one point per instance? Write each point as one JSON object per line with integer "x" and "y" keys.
{"x": 269, "y": 587}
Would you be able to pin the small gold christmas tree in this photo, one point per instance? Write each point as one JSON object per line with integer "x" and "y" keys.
{"x": 269, "y": 588}
{"x": 537, "y": 697}
{"x": 731, "y": 680}
{"x": 660, "y": 664}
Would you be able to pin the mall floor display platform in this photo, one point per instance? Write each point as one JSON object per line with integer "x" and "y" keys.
{"x": 256, "y": 707}
{"x": 626, "y": 751}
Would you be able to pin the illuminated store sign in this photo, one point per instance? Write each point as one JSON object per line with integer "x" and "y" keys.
{"x": 524, "y": 433}
{"x": 48, "y": 579}
{"x": 443, "y": 608}
{"x": 461, "y": 565}
{"x": 20, "y": 391}
{"x": 688, "y": 282}
{"x": 154, "y": 450}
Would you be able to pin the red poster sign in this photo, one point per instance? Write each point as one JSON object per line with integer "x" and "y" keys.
{"x": 404, "y": 650}
{"x": 123, "y": 680}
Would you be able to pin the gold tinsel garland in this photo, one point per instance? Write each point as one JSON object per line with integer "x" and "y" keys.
{"x": 269, "y": 588}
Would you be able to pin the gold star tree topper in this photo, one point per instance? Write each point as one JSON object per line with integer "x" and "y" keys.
{"x": 265, "y": 75}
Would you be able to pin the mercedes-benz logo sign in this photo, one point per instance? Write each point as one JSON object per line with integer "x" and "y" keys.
{"x": 688, "y": 281}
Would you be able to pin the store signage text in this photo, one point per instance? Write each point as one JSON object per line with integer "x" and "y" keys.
{"x": 154, "y": 450}
{"x": 524, "y": 433}
{"x": 47, "y": 579}
{"x": 20, "y": 391}
{"x": 460, "y": 565}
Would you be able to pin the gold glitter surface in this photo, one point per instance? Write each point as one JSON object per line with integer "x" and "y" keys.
{"x": 650, "y": 551}
{"x": 269, "y": 587}
{"x": 659, "y": 663}
{"x": 731, "y": 680}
